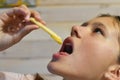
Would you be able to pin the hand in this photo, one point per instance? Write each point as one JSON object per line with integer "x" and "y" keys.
{"x": 15, "y": 24}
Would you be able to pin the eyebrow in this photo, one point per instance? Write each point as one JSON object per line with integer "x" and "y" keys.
{"x": 99, "y": 24}
{"x": 84, "y": 24}
{"x": 94, "y": 23}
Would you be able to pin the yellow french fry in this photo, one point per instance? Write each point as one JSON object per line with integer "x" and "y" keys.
{"x": 50, "y": 32}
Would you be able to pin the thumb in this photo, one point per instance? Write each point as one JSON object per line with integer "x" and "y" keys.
{"x": 24, "y": 31}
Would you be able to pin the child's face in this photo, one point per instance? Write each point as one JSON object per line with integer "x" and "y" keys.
{"x": 94, "y": 47}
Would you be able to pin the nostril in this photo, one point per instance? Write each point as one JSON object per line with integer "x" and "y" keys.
{"x": 75, "y": 31}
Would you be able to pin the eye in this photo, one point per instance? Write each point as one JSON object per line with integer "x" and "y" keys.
{"x": 98, "y": 31}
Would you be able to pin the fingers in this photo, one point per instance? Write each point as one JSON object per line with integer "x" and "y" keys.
{"x": 24, "y": 31}
{"x": 37, "y": 16}
{"x": 31, "y": 26}
{"x": 22, "y": 15}
{"x": 3, "y": 18}
{"x": 15, "y": 14}
{"x": 22, "y": 12}
{"x": 28, "y": 13}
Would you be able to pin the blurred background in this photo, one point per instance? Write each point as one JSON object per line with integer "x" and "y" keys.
{"x": 33, "y": 53}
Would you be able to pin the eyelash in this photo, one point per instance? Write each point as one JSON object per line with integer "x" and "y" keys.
{"x": 96, "y": 30}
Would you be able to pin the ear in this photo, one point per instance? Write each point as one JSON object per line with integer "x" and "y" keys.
{"x": 113, "y": 73}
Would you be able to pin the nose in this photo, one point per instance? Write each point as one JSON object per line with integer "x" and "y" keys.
{"x": 76, "y": 31}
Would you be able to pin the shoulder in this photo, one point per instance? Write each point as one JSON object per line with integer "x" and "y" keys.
{"x": 18, "y": 76}
{"x": 38, "y": 77}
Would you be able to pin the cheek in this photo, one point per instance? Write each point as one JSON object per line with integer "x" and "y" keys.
{"x": 96, "y": 56}
{"x": 101, "y": 51}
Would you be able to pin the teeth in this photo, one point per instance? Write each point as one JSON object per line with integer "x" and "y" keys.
{"x": 68, "y": 44}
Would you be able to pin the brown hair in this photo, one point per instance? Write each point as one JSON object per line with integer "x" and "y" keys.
{"x": 117, "y": 20}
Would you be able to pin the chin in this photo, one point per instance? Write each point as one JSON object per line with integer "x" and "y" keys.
{"x": 54, "y": 68}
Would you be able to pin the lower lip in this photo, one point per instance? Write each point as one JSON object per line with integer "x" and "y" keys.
{"x": 58, "y": 55}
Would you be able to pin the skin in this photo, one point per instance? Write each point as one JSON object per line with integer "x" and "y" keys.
{"x": 15, "y": 24}
{"x": 95, "y": 49}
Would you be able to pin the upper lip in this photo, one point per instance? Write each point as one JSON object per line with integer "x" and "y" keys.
{"x": 67, "y": 46}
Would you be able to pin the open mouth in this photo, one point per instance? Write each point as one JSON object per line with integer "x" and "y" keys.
{"x": 67, "y": 46}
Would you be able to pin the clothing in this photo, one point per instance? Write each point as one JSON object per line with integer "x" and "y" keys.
{"x": 17, "y": 76}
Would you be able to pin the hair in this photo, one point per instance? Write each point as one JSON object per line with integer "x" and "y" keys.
{"x": 117, "y": 20}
